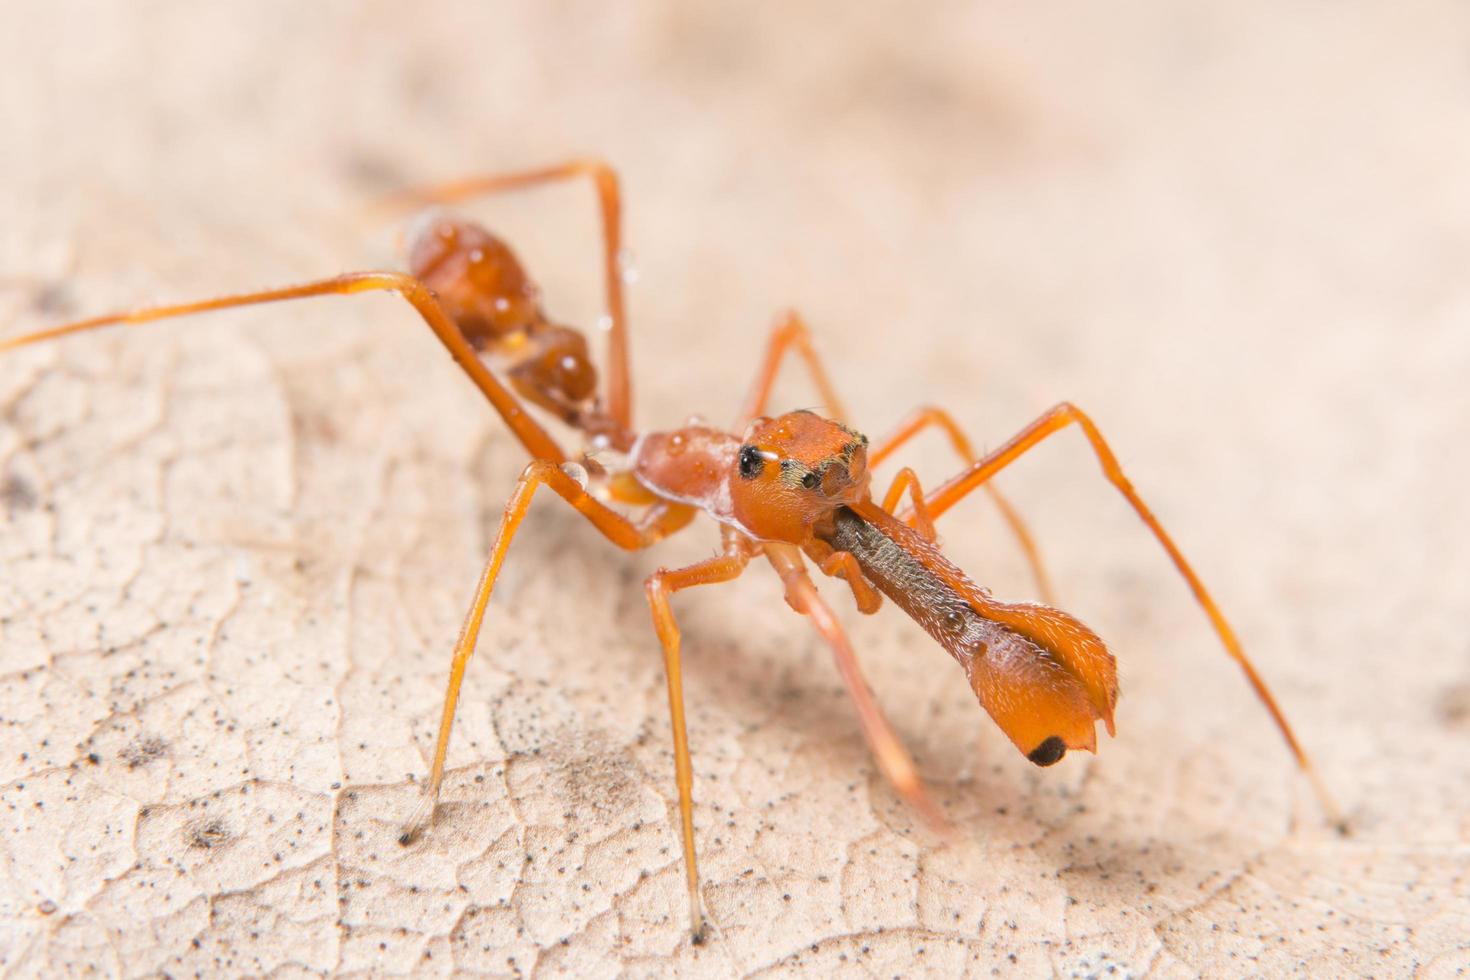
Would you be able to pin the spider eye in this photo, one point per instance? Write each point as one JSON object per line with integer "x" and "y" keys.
{"x": 751, "y": 462}
{"x": 810, "y": 481}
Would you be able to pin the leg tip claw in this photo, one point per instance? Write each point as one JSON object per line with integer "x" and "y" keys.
{"x": 422, "y": 815}
{"x": 697, "y": 930}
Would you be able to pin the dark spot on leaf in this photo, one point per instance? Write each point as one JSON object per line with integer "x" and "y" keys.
{"x": 1454, "y": 706}
{"x": 52, "y": 299}
{"x": 208, "y": 833}
{"x": 143, "y": 750}
{"x": 17, "y": 494}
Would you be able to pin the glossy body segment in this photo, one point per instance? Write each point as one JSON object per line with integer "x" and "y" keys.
{"x": 481, "y": 285}
{"x": 610, "y": 207}
{"x": 691, "y": 465}
{"x": 791, "y": 472}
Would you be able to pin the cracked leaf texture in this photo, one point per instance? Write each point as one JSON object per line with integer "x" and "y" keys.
{"x": 234, "y": 550}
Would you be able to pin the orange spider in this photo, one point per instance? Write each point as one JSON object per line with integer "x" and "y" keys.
{"x": 789, "y": 488}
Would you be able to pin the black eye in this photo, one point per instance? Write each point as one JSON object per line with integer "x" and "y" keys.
{"x": 751, "y": 462}
{"x": 810, "y": 481}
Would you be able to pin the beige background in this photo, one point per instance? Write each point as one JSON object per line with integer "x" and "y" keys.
{"x": 236, "y": 549}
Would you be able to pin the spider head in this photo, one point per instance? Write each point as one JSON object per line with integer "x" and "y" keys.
{"x": 794, "y": 470}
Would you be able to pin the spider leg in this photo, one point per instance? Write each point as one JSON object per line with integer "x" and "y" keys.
{"x": 789, "y": 334}
{"x": 659, "y": 587}
{"x": 614, "y": 526}
{"x": 908, "y": 480}
{"x": 929, "y": 416}
{"x": 1058, "y": 418}
{"x": 510, "y": 408}
{"x": 893, "y": 759}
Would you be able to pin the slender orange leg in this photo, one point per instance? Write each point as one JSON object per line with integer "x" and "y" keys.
{"x": 928, "y": 416}
{"x": 659, "y": 586}
{"x": 609, "y": 198}
{"x": 1059, "y": 418}
{"x": 789, "y": 333}
{"x": 531, "y": 435}
{"x": 842, "y": 564}
{"x": 893, "y": 759}
{"x": 616, "y": 528}
{"x": 665, "y": 518}
{"x": 908, "y": 480}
